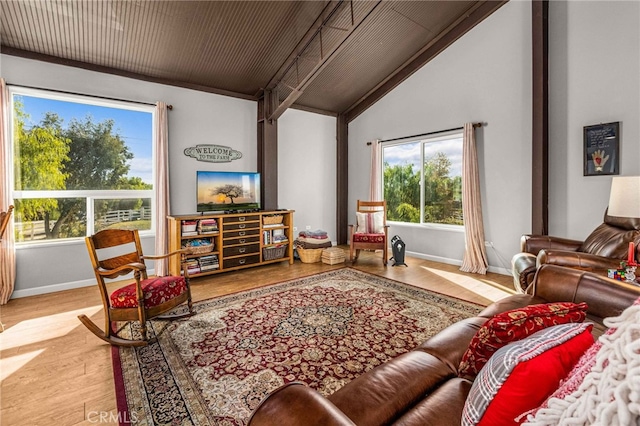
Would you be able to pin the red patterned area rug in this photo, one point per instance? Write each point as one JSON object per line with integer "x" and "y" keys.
{"x": 325, "y": 330}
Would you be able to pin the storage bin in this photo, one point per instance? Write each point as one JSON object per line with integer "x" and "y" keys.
{"x": 198, "y": 246}
{"x": 333, "y": 255}
{"x": 272, "y": 220}
{"x": 276, "y": 252}
{"x": 309, "y": 255}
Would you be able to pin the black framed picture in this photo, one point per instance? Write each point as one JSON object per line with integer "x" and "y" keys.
{"x": 602, "y": 149}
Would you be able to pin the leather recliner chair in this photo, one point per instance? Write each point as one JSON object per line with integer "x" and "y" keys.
{"x": 605, "y": 248}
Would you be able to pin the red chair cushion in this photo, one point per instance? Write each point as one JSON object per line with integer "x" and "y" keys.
{"x": 368, "y": 238}
{"x": 156, "y": 291}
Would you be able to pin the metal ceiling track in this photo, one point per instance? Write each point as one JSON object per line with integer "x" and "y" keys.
{"x": 326, "y": 37}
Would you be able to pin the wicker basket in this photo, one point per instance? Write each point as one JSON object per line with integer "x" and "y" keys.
{"x": 272, "y": 253}
{"x": 309, "y": 255}
{"x": 333, "y": 256}
{"x": 199, "y": 246}
{"x": 272, "y": 220}
{"x": 199, "y": 249}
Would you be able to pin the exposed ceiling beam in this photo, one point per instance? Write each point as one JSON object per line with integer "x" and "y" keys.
{"x": 337, "y": 22}
{"x": 476, "y": 14}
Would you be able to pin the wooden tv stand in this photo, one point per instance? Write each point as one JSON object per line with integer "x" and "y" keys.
{"x": 241, "y": 240}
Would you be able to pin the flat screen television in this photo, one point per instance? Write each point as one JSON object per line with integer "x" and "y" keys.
{"x": 228, "y": 191}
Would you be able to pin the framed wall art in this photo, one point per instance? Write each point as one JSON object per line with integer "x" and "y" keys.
{"x": 602, "y": 149}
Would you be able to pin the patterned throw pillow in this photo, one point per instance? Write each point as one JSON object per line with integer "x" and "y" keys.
{"x": 514, "y": 325}
{"x": 521, "y": 375}
{"x": 370, "y": 223}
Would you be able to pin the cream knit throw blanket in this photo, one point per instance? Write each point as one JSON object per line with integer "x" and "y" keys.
{"x": 610, "y": 391}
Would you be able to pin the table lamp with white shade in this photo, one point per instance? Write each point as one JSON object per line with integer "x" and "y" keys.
{"x": 624, "y": 201}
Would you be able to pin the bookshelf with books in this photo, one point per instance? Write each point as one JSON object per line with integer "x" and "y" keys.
{"x": 223, "y": 242}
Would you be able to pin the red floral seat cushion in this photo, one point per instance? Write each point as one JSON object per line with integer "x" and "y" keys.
{"x": 156, "y": 291}
{"x": 368, "y": 238}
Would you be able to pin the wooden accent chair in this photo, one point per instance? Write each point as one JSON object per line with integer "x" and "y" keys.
{"x": 370, "y": 231}
{"x": 5, "y": 217}
{"x": 141, "y": 300}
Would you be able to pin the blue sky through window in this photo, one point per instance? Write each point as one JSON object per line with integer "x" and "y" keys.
{"x": 134, "y": 127}
{"x": 409, "y": 153}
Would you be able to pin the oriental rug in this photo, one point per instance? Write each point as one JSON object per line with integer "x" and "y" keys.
{"x": 215, "y": 367}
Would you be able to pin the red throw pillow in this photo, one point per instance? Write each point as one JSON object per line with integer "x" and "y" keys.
{"x": 523, "y": 374}
{"x": 514, "y": 325}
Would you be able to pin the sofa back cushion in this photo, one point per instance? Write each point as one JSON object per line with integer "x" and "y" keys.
{"x": 610, "y": 241}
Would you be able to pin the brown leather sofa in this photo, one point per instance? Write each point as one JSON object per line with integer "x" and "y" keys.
{"x": 422, "y": 387}
{"x": 603, "y": 249}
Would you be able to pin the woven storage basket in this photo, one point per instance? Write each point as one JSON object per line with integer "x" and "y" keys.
{"x": 328, "y": 261}
{"x": 333, "y": 255}
{"x": 272, "y": 220}
{"x": 271, "y": 253}
{"x": 200, "y": 249}
{"x": 309, "y": 255}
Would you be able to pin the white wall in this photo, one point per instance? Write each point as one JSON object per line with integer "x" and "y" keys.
{"x": 196, "y": 118}
{"x": 306, "y": 158}
{"x": 484, "y": 76}
{"x": 307, "y": 169}
{"x": 594, "y": 68}
{"x": 594, "y": 77}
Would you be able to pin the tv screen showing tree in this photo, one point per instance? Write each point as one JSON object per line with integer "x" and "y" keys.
{"x": 227, "y": 191}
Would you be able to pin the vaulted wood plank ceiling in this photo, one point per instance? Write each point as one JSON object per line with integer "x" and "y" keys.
{"x": 240, "y": 47}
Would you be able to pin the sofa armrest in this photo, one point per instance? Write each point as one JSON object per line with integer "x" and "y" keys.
{"x": 572, "y": 259}
{"x": 296, "y": 404}
{"x": 534, "y": 243}
{"x": 604, "y": 296}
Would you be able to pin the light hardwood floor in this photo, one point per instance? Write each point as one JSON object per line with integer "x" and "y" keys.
{"x": 55, "y": 372}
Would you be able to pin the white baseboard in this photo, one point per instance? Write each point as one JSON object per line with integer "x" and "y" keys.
{"x": 449, "y": 261}
{"x": 52, "y": 288}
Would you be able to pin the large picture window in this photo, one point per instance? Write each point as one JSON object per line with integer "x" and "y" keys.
{"x": 422, "y": 180}
{"x": 81, "y": 165}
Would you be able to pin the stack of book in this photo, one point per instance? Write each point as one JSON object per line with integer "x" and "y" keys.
{"x": 207, "y": 225}
{"x": 193, "y": 267}
{"x": 209, "y": 263}
{"x": 274, "y": 237}
{"x": 279, "y": 236}
{"x": 189, "y": 228}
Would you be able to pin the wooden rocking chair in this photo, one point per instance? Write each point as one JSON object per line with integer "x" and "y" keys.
{"x": 141, "y": 300}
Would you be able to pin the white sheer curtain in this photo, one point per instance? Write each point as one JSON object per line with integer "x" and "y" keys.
{"x": 7, "y": 246}
{"x": 475, "y": 257}
{"x": 161, "y": 184}
{"x": 375, "y": 191}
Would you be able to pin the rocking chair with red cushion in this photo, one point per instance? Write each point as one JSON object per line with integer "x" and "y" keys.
{"x": 141, "y": 300}
{"x": 370, "y": 231}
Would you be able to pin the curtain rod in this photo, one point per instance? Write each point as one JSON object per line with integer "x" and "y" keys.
{"x": 427, "y": 134}
{"x": 170, "y": 107}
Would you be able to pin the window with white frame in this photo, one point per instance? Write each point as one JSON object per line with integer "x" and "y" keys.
{"x": 422, "y": 180}
{"x": 81, "y": 164}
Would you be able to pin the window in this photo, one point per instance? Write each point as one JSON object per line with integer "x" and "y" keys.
{"x": 422, "y": 180}
{"x": 81, "y": 165}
